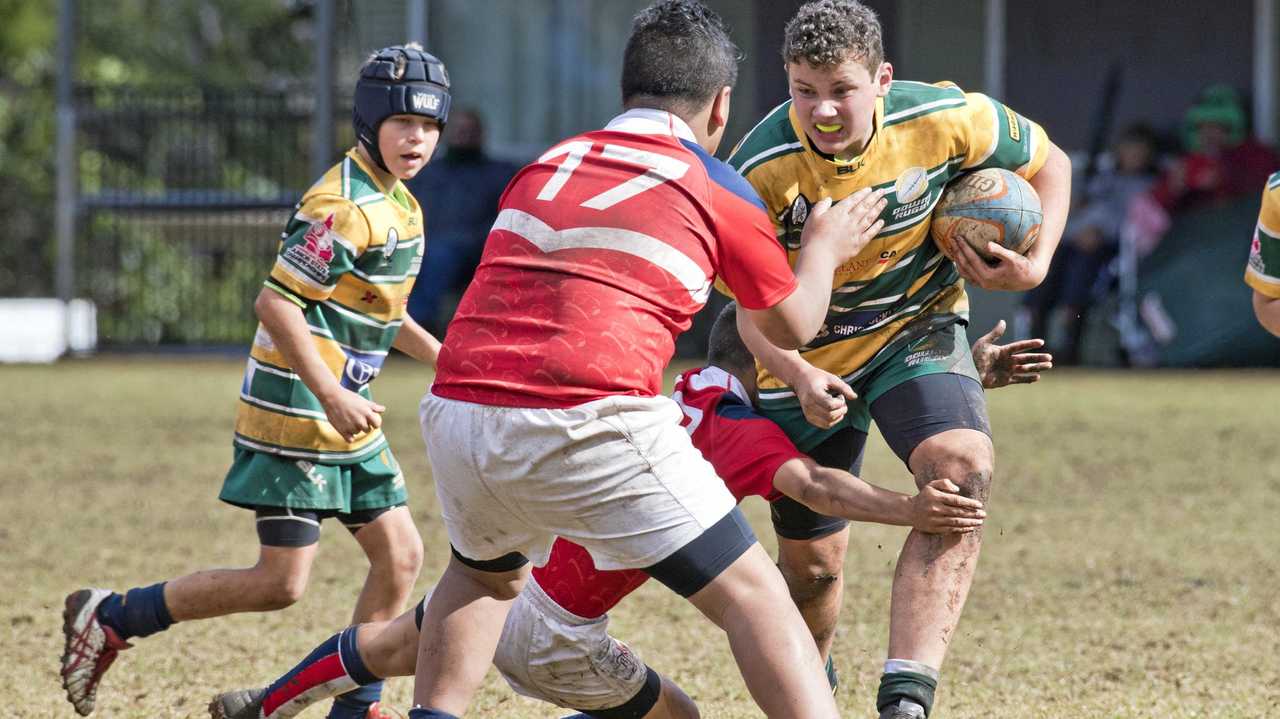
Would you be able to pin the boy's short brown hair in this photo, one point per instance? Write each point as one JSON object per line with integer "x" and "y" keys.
{"x": 828, "y": 32}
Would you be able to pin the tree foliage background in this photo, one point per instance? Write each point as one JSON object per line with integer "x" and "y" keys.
{"x": 181, "y": 45}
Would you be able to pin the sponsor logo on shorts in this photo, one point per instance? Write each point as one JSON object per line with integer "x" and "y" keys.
{"x": 929, "y": 355}
{"x": 312, "y": 473}
{"x": 618, "y": 661}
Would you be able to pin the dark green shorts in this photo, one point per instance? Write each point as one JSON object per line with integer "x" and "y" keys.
{"x": 942, "y": 351}
{"x": 927, "y": 387}
{"x": 258, "y": 479}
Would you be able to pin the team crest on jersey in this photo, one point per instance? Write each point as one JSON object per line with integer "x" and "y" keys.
{"x": 911, "y": 184}
{"x": 389, "y": 249}
{"x": 793, "y": 219}
{"x": 316, "y": 251}
{"x": 1255, "y": 254}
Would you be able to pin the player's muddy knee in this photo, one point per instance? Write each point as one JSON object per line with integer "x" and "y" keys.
{"x": 967, "y": 460}
{"x": 809, "y": 582}
{"x": 976, "y": 483}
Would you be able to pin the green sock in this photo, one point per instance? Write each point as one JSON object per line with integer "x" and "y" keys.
{"x": 907, "y": 680}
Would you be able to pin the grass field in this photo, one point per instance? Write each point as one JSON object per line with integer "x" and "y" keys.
{"x": 1130, "y": 565}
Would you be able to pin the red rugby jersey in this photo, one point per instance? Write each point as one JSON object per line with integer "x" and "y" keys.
{"x": 746, "y": 451}
{"x": 603, "y": 250}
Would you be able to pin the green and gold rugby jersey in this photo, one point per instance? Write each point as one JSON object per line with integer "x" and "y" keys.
{"x": 900, "y": 286}
{"x": 348, "y": 258}
{"x": 1263, "y": 270}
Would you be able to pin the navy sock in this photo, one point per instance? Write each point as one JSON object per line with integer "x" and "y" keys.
{"x": 420, "y": 713}
{"x": 332, "y": 669}
{"x": 140, "y": 612}
{"x": 351, "y": 659}
{"x": 355, "y": 703}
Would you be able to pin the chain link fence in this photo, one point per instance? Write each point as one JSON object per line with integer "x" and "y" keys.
{"x": 184, "y": 194}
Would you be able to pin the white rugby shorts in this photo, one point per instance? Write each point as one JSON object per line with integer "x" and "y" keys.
{"x": 549, "y": 653}
{"x": 618, "y": 476}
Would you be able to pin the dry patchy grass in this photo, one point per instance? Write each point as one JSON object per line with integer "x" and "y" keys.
{"x": 1129, "y": 570}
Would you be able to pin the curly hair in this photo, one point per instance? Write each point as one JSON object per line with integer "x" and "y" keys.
{"x": 679, "y": 55}
{"x": 828, "y": 32}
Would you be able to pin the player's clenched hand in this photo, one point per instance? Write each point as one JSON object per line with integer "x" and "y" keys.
{"x": 824, "y": 397}
{"x": 847, "y": 226}
{"x": 1011, "y": 271}
{"x": 1014, "y": 363}
{"x": 939, "y": 508}
{"x": 350, "y": 414}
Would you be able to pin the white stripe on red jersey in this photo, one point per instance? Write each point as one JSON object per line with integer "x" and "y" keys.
{"x": 604, "y": 249}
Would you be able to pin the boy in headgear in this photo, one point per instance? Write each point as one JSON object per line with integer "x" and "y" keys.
{"x": 308, "y": 439}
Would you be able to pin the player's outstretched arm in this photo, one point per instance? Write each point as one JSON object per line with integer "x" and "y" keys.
{"x": 833, "y": 234}
{"x": 1268, "y": 311}
{"x": 349, "y": 413}
{"x": 415, "y": 341}
{"x": 937, "y": 509}
{"x": 1014, "y": 363}
{"x": 823, "y": 396}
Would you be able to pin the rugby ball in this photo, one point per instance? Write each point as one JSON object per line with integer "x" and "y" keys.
{"x": 991, "y": 205}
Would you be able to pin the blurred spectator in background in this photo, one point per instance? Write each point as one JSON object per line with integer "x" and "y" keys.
{"x": 1222, "y": 161}
{"x": 1091, "y": 240}
{"x": 459, "y": 195}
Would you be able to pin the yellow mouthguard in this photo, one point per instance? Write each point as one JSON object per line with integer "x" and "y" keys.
{"x": 828, "y": 128}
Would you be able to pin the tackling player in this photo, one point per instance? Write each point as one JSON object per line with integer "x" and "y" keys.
{"x": 893, "y": 346}
{"x": 546, "y": 420}
{"x": 308, "y": 439}
{"x": 1263, "y": 271}
{"x": 555, "y": 644}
